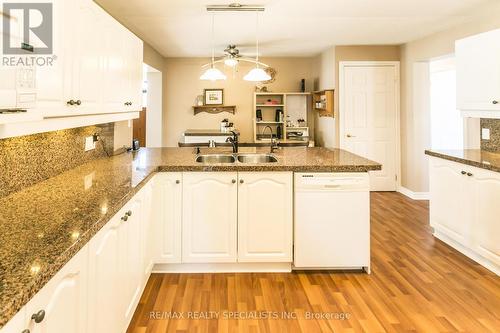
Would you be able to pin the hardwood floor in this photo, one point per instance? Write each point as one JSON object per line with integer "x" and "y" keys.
{"x": 418, "y": 284}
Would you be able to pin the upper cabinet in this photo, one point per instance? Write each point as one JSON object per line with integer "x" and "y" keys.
{"x": 478, "y": 75}
{"x": 96, "y": 67}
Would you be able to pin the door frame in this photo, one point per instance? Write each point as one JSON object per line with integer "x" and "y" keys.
{"x": 396, "y": 65}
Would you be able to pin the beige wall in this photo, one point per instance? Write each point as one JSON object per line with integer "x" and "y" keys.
{"x": 415, "y": 137}
{"x": 182, "y": 85}
{"x": 152, "y": 58}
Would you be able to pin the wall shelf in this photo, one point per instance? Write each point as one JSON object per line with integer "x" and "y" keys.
{"x": 214, "y": 109}
{"x": 326, "y": 99}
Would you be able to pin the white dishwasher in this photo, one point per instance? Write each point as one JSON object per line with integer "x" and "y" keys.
{"x": 332, "y": 221}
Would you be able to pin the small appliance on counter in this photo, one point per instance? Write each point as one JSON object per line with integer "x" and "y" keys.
{"x": 135, "y": 144}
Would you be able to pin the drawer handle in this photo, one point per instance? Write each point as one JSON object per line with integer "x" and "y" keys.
{"x": 124, "y": 218}
{"x": 495, "y": 102}
{"x": 39, "y": 316}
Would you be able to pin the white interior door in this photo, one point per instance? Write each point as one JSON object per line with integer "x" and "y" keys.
{"x": 368, "y": 118}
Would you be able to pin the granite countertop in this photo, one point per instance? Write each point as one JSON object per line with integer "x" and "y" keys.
{"x": 43, "y": 226}
{"x": 473, "y": 157}
{"x": 207, "y": 132}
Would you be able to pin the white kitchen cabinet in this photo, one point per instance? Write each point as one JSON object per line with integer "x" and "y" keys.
{"x": 265, "y": 216}
{"x": 464, "y": 210}
{"x": 148, "y": 232}
{"x": 105, "y": 282}
{"x": 63, "y": 300}
{"x": 209, "y": 225}
{"x": 131, "y": 259}
{"x": 449, "y": 187}
{"x": 167, "y": 217}
{"x": 486, "y": 227}
{"x": 478, "y": 74}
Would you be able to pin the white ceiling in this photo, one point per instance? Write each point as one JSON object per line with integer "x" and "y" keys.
{"x": 181, "y": 28}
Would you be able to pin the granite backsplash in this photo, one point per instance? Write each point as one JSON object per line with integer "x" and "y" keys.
{"x": 493, "y": 144}
{"x": 27, "y": 160}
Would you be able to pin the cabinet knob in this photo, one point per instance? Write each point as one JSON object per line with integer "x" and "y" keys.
{"x": 78, "y": 102}
{"x": 177, "y": 181}
{"x": 469, "y": 174}
{"x": 124, "y": 218}
{"x": 39, "y": 316}
{"x": 71, "y": 102}
{"x": 233, "y": 181}
{"x": 129, "y": 213}
{"x": 463, "y": 173}
{"x": 495, "y": 102}
{"x": 241, "y": 181}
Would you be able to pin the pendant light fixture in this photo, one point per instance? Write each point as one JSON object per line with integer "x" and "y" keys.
{"x": 213, "y": 74}
{"x": 257, "y": 74}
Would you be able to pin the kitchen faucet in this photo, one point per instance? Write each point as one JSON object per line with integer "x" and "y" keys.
{"x": 234, "y": 141}
{"x": 274, "y": 143}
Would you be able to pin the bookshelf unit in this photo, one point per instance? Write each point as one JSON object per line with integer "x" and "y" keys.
{"x": 293, "y": 106}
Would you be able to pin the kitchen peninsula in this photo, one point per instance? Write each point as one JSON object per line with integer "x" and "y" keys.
{"x": 69, "y": 226}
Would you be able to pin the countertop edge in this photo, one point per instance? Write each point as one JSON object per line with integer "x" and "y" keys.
{"x": 462, "y": 160}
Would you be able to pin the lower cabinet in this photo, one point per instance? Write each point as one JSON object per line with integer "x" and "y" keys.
{"x": 465, "y": 210}
{"x": 61, "y": 305}
{"x": 265, "y": 216}
{"x": 209, "y": 217}
{"x": 167, "y": 217}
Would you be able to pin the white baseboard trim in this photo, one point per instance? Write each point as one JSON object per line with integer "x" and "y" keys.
{"x": 285, "y": 267}
{"x": 488, "y": 264}
{"x": 413, "y": 195}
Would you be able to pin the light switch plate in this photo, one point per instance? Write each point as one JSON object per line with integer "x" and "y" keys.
{"x": 89, "y": 143}
{"x": 485, "y": 133}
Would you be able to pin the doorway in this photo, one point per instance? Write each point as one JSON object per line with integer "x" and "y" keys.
{"x": 369, "y": 117}
{"x": 148, "y": 128}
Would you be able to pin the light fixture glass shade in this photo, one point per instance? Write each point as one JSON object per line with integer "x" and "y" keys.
{"x": 213, "y": 74}
{"x": 257, "y": 75}
{"x": 231, "y": 62}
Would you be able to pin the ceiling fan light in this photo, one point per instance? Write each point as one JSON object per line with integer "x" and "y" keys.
{"x": 213, "y": 74}
{"x": 231, "y": 62}
{"x": 257, "y": 75}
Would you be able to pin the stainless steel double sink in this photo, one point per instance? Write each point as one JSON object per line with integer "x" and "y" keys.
{"x": 232, "y": 158}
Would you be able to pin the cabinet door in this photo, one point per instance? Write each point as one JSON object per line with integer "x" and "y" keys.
{"x": 478, "y": 72}
{"x": 105, "y": 282}
{"x": 134, "y": 71}
{"x": 147, "y": 230}
{"x": 486, "y": 225}
{"x": 53, "y": 83}
{"x": 167, "y": 217}
{"x": 131, "y": 258}
{"x": 209, "y": 217}
{"x": 64, "y": 299}
{"x": 87, "y": 47}
{"x": 450, "y": 212}
{"x": 265, "y": 216}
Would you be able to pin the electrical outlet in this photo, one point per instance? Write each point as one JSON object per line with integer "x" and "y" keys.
{"x": 485, "y": 133}
{"x": 89, "y": 143}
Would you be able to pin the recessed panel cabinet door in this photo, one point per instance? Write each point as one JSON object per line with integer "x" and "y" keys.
{"x": 478, "y": 72}
{"x": 105, "y": 284}
{"x": 265, "y": 216}
{"x": 449, "y": 212}
{"x": 209, "y": 226}
{"x": 63, "y": 299}
{"x": 167, "y": 217}
{"x": 486, "y": 228}
{"x": 87, "y": 49}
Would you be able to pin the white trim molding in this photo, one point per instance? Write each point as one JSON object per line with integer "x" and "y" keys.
{"x": 413, "y": 195}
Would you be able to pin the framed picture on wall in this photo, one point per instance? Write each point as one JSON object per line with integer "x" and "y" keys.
{"x": 214, "y": 96}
